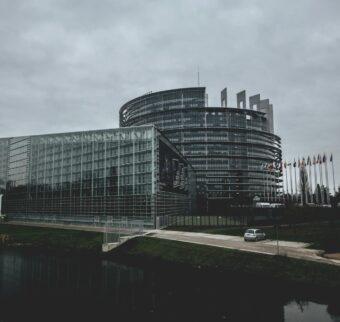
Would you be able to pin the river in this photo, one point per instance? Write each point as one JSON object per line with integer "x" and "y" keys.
{"x": 40, "y": 287}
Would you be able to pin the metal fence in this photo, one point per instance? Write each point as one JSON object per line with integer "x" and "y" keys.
{"x": 258, "y": 216}
{"x": 207, "y": 221}
{"x": 116, "y": 231}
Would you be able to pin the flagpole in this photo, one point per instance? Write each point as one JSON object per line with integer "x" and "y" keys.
{"x": 287, "y": 194}
{"x": 306, "y": 181}
{"x": 277, "y": 182}
{"x": 281, "y": 175}
{"x": 333, "y": 174}
{"x": 296, "y": 193}
{"x": 311, "y": 179}
{"x": 321, "y": 180}
{"x": 264, "y": 181}
{"x": 267, "y": 186}
{"x": 300, "y": 180}
{"x": 271, "y": 183}
{"x": 274, "y": 188}
{"x": 277, "y": 191}
{"x": 327, "y": 182}
{"x": 316, "y": 182}
{"x": 306, "y": 188}
{"x": 283, "y": 183}
{"x": 291, "y": 181}
{"x": 274, "y": 185}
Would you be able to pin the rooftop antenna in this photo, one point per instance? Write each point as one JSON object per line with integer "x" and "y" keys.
{"x": 198, "y": 75}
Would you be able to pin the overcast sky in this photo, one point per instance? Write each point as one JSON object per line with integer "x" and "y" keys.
{"x": 69, "y": 65}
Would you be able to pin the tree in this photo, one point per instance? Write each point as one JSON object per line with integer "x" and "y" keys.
{"x": 304, "y": 184}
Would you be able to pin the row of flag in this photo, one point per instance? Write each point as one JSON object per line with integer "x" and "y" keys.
{"x": 299, "y": 163}
{"x": 309, "y": 161}
{"x": 272, "y": 166}
{"x": 310, "y": 174}
{"x": 307, "y": 174}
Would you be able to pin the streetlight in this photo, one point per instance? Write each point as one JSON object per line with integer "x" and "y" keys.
{"x": 277, "y": 231}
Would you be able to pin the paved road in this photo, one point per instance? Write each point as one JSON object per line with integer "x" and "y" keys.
{"x": 268, "y": 247}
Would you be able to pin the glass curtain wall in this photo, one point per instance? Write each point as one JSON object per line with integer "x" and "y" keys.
{"x": 105, "y": 172}
{"x": 234, "y": 151}
{"x": 3, "y": 163}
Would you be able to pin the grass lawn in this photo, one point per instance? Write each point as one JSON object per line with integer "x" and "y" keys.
{"x": 147, "y": 249}
{"x": 321, "y": 236}
{"x": 51, "y": 238}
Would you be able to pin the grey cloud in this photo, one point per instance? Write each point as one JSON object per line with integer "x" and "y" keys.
{"x": 69, "y": 65}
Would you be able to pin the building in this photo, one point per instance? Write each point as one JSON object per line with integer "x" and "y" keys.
{"x": 3, "y": 163}
{"x": 131, "y": 171}
{"x": 234, "y": 151}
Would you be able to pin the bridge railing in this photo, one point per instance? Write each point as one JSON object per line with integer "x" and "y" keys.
{"x": 78, "y": 220}
{"x": 119, "y": 230}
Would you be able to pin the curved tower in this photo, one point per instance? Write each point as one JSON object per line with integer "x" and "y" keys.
{"x": 234, "y": 151}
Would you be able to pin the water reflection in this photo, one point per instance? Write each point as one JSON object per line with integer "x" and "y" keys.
{"x": 308, "y": 311}
{"x": 36, "y": 287}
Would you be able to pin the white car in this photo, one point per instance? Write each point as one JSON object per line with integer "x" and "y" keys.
{"x": 254, "y": 235}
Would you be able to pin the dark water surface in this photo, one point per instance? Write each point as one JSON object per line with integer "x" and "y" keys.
{"x": 37, "y": 287}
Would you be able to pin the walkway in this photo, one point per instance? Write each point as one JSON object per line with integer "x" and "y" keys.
{"x": 268, "y": 247}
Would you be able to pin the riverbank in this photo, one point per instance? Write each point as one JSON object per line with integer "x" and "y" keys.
{"x": 165, "y": 253}
{"x": 50, "y": 239}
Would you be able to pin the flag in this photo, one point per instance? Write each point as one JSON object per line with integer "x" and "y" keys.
{"x": 314, "y": 160}
{"x": 324, "y": 158}
{"x": 331, "y": 158}
{"x": 294, "y": 164}
{"x": 319, "y": 159}
{"x": 299, "y": 163}
{"x": 309, "y": 161}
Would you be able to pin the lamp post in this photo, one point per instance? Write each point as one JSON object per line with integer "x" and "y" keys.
{"x": 277, "y": 230}
{"x": 277, "y": 237}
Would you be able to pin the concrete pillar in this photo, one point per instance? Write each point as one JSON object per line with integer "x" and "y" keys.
{"x": 241, "y": 98}
{"x": 254, "y": 101}
{"x": 224, "y": 98}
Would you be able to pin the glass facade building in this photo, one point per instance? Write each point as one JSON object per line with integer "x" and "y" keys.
{"x": 3, "y": 163}
{"x": 132, "y": 171}
{"x": 234, "y": 151}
